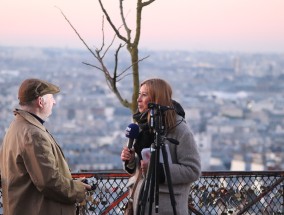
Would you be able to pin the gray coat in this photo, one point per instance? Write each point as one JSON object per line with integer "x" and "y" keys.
{"x": 35, "y": 177}
{"x": 184, "y": 170}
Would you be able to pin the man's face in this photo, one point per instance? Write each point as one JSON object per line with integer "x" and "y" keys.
{"x": 47, "y": 104}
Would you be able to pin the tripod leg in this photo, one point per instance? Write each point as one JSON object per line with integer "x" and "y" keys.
{"x": 148, "y": 182}
{"x": 156, "y": 179}
{"x": 151, "y": 196}
{"x": 168, "y": 177}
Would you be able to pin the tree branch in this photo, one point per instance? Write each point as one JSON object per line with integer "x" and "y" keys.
{"x": 130, "y": 67}
{"x": 77, "y": 32}
{"x": 128, "y": 31}
{"x": 147, "y": 2}
{"x": 111, "y": 24}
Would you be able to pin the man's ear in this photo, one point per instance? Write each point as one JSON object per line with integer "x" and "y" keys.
{"x": 40, "y": 101}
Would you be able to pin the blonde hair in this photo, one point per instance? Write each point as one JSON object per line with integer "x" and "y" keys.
{"x": 160, "y": 93}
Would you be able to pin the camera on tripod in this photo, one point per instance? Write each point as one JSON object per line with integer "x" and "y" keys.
{"x": 150, "y": 192}
{"x": 157, "y": 116}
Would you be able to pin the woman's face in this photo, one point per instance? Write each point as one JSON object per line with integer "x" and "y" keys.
{"x": 143, "y": 99}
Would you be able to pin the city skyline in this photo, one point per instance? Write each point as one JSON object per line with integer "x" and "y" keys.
{"x": 220, "y": 25}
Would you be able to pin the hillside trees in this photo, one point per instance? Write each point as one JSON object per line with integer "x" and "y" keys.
{"x": 129, "y": 40}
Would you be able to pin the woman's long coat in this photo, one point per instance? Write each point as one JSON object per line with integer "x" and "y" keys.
{"x": 184, "y": 170}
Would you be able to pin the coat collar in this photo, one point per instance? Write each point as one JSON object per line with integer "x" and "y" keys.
{"x": 30, "y": 118}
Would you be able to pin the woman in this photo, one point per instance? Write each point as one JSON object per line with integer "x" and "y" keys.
{"x": 185, "y": 165}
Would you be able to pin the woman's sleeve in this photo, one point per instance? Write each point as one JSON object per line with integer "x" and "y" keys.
{"x": 186, "y": 166}
{"x": 130, "y": 166}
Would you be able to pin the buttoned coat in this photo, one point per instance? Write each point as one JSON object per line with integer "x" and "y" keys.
{"x": 35, "y": 177}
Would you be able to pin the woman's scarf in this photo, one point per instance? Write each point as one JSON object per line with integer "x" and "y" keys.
{"x": 146, "y": 136}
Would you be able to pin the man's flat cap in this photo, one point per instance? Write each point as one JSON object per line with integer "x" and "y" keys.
{"x": 31, "y": 89}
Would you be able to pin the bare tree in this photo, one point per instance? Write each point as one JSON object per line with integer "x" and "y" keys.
{"x": 131, "y": 45}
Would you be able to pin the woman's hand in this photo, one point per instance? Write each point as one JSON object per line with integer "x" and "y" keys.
{"x": 127, "y": 154}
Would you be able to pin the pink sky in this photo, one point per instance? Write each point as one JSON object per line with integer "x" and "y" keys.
{"x": 211, "y": 25}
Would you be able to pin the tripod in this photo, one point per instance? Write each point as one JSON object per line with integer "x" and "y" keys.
{"x": 152, "y": 177}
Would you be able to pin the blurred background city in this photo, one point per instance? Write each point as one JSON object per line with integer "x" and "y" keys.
{"x": 234, "y": 103}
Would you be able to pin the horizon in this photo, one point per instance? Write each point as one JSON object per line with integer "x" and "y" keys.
{"x": 222, "y": 25}
{"x": 83, "y": 48}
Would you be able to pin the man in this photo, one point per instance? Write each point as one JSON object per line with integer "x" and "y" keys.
{"x": 35, "y": 176}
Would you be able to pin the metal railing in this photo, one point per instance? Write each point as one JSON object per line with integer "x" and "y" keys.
{"x": 214, "y": 193}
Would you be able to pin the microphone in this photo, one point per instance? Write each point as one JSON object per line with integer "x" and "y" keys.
{"x": 131, "y": 132}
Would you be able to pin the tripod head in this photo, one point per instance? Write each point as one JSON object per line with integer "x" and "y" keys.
{"x": 159, "y": 107}
{"x": 157, "y": 116}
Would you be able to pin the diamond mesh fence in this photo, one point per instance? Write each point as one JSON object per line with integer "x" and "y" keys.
{"x": 220, "y": 193}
